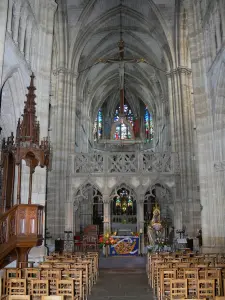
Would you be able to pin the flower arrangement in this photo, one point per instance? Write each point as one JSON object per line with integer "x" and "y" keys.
{"x": 135, "y": 234}
{"x": 161, "y": 242}
{"x": 106, "y": 240}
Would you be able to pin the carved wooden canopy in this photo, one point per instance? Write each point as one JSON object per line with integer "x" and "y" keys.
{"x": 27, "y": 145}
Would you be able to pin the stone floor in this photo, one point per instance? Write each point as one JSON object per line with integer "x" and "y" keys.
{"x": 120, "y": 280}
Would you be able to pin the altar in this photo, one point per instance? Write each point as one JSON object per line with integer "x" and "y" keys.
{"x": 124, "y": 245}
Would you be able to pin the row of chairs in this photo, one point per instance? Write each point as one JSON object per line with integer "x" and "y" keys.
{"x": 199, "y": 276}
{"x": 66, "y": 275}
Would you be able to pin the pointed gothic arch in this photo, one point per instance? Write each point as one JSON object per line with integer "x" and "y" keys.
{"x": 88, "y": 207}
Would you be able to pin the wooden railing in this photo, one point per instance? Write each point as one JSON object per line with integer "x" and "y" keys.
{"x": 21, "y": 228}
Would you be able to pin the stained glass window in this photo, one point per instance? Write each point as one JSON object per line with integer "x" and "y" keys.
{"x": 148, "y": 125}
{"x": 122, "y": 130}
{"x": 98, "y": 126}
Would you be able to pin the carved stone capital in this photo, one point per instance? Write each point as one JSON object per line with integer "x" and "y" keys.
{"x": 52, "y": 5}
{"x": 106, "y": 199}
{"x": 65, "y": 71}
{"x": 219, "y": 166}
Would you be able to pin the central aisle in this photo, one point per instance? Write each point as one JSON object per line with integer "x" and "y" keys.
{"x": 124, "y": 283}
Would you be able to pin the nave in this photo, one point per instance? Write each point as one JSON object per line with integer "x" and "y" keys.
{"x": 122, "y": 278}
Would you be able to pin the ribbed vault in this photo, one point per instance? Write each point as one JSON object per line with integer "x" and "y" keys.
{"x": 97, "y": 36}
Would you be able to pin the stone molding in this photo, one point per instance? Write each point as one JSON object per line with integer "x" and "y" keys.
{"x": 52, "y": 5}
{"x": 65, "y": 71}
{"x": 178, "y": 70}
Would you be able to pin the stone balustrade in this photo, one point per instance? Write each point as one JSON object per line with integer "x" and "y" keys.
{"x": 121, "y": 162}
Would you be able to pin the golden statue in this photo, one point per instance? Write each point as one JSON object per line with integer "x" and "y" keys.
{"x": 156, "y": 220}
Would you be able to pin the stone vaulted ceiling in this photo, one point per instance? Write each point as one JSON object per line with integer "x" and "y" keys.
{"x": 94, "y": 34}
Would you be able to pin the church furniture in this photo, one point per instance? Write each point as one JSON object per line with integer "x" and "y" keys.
{"x": 70, "y": 275}
{"x": 52, "y": 298}
{"x": 78, "y": 243}
{"x": 22, "y": 224}
{"x": 76, "y": 276}
{"x": 39, "y": 287}
{"x": 16, "y": 286}
{"x": 206, "y": 288}
{"x": 90, "y": 241}
{"x": 16, "y": 297}
{"x": 66, "y": 288}
{"x": 203, "y": 278}
{"x": 178, "y": 288}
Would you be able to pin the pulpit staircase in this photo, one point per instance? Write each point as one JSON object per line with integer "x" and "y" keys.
{"x": 21, "y": 228}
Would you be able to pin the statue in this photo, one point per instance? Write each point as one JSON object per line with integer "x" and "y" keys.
{"x": 155, "y": 225}
{"x": 156, "y": 219}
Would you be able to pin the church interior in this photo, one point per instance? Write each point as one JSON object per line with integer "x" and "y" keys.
{"x": 112, "y": 149}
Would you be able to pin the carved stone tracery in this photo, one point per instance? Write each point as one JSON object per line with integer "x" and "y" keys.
{"x": 129, "y": 162}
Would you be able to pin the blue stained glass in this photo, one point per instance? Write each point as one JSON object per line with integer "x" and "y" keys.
{"x": 122, "y": 130}
{"x": 98, "y": 126}
{"x": 148, "y": 125}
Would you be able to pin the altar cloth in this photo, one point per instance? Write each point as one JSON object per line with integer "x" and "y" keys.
{"x": 125, "y": 246}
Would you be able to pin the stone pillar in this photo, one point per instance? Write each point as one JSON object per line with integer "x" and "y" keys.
{"x": 9, "y": 18}
{"x": 213, "y": 42}
{"x": 222, "y": 14}
{"x": 68, "y": 241}
{"x": 3, "y": 20}
{"x": 182, "y": 124}
{"x": 15, "y": 29}
{"x": 178, "y": 215}
{"x": 140, "y": 221}
{"x": 28, "y": 42}
{"x": 69, "y": 216}
{"x": 107, "y": 213}
{"x": 211, "y": 183}
{"x": 22, "y": 30}
{"x": 218, "y": 34}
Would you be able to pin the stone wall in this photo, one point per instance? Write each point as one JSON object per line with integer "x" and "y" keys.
{"x": 206, "y": 21}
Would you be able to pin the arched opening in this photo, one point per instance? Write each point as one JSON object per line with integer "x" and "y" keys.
{"x": 123, "y": 210}
{"x": 158, "y": 194}
{"x": 88, "y": 208}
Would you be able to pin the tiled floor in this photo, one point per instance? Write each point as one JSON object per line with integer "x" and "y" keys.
{"x": 122, "y": 279}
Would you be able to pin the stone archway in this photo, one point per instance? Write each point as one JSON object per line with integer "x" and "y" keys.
{"x": 160, "y": 194}
{"x": 88, "y": 208}
{"x": 123, "y": 210}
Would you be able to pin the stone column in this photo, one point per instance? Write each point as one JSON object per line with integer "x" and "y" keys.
{"x": 68, "y": 241}
{"x": 218, "y": 34}
{"x": 9, "y": 18}
{"x": 222, "y": 13}
{"x": 213, "y": 42}
{"x": 107, "y": 213}
{"x": 3, "y": 20}
{"x": 211, "y": 184}
{"x": 22, "y": 30}
{"x": 140, "y": 220}
{"x": 69, "y": 215}
{"x": 178, "y": 215}
{"x": 15, "y": 29}
{"x": 28, "y": 42}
